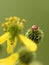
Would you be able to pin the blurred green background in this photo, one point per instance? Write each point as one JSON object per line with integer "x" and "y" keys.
{"x": 35, "y": 12}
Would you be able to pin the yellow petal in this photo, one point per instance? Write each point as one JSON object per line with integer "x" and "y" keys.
{"x": 28, "y": 43}
{"x": 4, "y": 37}
{"x": 10, "y": 60}
{"x": 10, "y": 46}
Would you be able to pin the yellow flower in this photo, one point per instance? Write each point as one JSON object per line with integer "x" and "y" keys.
{"x": 11, "y": 18}
{"x": 21, "y": 26}
{"x": 15, "y": 18}
{"x": 13, "y": 33}
{"x": 7, "y": 23}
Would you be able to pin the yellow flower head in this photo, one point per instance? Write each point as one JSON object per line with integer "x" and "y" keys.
{"x": 13, "y": 21}
{"x": 13, "y": 27}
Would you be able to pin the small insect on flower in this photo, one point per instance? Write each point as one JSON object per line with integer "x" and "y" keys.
{"x": 35, "y": 27}
{"x": 35, "y": 34}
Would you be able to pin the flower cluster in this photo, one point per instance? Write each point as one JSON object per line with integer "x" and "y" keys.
{"x": 13, "y": 27}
